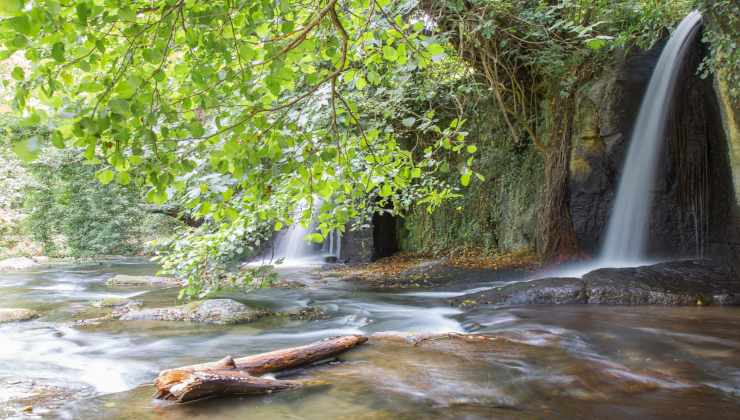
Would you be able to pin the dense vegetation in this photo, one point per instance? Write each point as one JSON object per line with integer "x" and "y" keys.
{"x": 72, "y": 214}
{"x": 236, "y": 111}
{"x": 54, "y": 205}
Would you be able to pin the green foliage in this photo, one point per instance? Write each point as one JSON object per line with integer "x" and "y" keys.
{"x": 209, "y": 259}
{"x": 498, "y": 214}
{"x": 72, "y": 214}
{"x": 722, "y": 33}
{"x": 238, "y": 109}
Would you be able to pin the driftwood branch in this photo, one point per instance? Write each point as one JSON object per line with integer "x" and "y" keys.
{"x": 230, "y": 376}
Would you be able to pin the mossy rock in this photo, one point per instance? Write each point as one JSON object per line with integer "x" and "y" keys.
{"x": 212, "y": 311}
{"x": 125, "y": 280}
{"x": 16, "y": 314}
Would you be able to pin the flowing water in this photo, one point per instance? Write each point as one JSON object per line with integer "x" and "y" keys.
{"x": 292, "y": 248}
{"x": 627, "y": 233}
{"x": 547, "y": 362}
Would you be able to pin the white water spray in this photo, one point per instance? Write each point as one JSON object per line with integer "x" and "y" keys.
{"x": 293, "y": 248}
{"x": 627, "y": 233}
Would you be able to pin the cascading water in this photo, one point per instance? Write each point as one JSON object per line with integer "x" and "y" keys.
{"x": 627, "y": 233}
{"x": 292, "y": 246}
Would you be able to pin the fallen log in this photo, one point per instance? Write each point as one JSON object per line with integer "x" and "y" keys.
{"x": 196, "y": 385}
{"x": 231, "y": 376}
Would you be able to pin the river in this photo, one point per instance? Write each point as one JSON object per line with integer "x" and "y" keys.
{"x": 550, "y": 362}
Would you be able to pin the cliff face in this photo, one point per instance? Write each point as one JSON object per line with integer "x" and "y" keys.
{"x": 694, "y": 211}
{"x": 695, "y": 198}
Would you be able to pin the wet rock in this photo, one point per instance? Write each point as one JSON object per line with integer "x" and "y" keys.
{"x": 16, "y": 314}
{"x": 541, "y": 291}
{"x": 213, "y": 311}
{"x": 31, "y": 398}
{"x": 18, "y": 263}
{"x": 688, "y": 282}
{"x": 114, "y": 302}
{"x": 124, "y": 280}
{"x": 117, "y": 309}
{"x": 311, "y": 313}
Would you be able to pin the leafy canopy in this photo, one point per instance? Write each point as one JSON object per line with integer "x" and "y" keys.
{"x": 236, "y": 109}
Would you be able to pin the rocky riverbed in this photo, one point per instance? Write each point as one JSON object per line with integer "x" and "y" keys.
{"x": 535, "y": 361}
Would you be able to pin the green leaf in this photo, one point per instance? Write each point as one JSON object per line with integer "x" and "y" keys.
{"x": 11, "y": 7}
{"x": 246, "y": 52}
{"x": 596, "y": 43}
{"x": 105, "y": 176}
{"x": 360, "y": 83}
{"x": 472, "y": 148}
{"x": 435, "y": 49}
{"x": 57, "y": 51}
{"x": 157, "y": 197}
{"x": 385, "y": 190}
{"x": 373, "y": 77}
{"x": 57, "y": 139}
{"x": 27, "y": 149}
{"x": 119, "y": 106}
{"x": 123, "y": 178}
{"x": 314, "y": 237}
{"x": 21, "y": 24}
{"x": 17, "y": 73}
{"x": 390, "y": 53}
{"x": 465, "y": 178}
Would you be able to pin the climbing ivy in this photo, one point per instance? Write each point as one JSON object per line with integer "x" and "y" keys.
{"x": 722, "y": 33}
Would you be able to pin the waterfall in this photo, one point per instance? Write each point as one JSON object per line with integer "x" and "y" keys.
{"x": 292, "y": 247}
{"x": 628, "y": 228}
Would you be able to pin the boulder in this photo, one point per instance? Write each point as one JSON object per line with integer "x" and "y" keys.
{"x": 16, "y": 314}
{"x": 212, "y": 311}
{"x": 560, "y": 290}
{"x": 687, "y": 282}
{"x": 125, "y": 280}
{"x": 18, "y": 263}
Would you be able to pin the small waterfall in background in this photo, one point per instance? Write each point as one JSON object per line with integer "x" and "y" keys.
{"x": 628, "y": 229}
{"x": 291, "y": 244}
{"x": 333, "y": 244}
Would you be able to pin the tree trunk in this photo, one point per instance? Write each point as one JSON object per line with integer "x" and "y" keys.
{"x": 238, "y": 376}
{"x": 557, "y": 238}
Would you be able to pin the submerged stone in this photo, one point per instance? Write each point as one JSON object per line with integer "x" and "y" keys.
{"x": 16, "y": 314}
{"x": 124, "y": 280}
{"x": 212, "y": 311}
{"x": 113, "y": 302}
{"x": 18, "y": 263}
